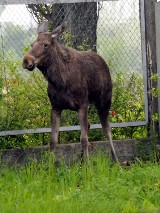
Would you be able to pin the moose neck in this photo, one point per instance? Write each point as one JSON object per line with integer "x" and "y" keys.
{"x": 54, "y": 66}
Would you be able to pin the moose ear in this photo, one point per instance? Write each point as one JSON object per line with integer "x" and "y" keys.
{"x": 59, "y": 30}
{"x": 43, "y": 27}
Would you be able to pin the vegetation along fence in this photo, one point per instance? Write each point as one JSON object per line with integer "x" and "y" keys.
{"x": 115, "y": 29}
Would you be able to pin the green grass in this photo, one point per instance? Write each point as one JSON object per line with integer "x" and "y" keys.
{"x": 97, "y": 187}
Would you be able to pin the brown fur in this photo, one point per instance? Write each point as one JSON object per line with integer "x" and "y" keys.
{"x": 75, "y": 80}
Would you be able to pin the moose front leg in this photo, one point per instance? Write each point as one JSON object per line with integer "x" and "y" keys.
{"x": 55, "y": 122}
{"x": 83, "y": 118}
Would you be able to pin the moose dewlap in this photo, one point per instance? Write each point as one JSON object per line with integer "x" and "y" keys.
{"x": 75, "y": 80}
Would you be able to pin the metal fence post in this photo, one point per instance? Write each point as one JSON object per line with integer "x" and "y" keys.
{"x": 153, "y": 124}
{"x": 157, "y": 15}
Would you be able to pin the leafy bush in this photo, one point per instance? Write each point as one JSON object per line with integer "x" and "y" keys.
{"x": 25, "y": 105}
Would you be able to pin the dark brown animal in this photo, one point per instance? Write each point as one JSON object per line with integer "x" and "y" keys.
{"x": 75, "y": 80}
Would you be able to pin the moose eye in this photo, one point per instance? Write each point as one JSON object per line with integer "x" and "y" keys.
{"x": 45, "y": 45}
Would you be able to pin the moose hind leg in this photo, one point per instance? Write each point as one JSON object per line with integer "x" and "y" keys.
{"x": 104, "y": 119}
{"x": 83, "y": 118}
{"x": 55, "y": 122}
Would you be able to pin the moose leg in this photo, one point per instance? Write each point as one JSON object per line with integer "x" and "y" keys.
{"x": 83, "y": 118}
{"x": 104, "y": 118}
{"x": 55, "y": 122}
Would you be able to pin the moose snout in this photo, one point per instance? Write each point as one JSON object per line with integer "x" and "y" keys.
{"x": 28, "y": 62}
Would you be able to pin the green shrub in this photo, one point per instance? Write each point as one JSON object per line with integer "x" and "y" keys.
{"x": 25, "y": 105}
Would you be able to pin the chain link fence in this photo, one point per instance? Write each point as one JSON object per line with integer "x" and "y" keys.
{"x": 112, "y": 28}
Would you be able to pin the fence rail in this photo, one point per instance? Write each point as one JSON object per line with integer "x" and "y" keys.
{"x": 69, "y": 128}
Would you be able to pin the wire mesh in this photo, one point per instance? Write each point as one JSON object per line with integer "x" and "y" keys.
{"x": 112, "y": 28}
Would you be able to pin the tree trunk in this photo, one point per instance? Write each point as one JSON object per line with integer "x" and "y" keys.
{"x": 83, "y": 24}
{"x": 58, "y": 14}
{"x": 82, "y": 21}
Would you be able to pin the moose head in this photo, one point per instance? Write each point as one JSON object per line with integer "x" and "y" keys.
{"x": 42, "y": 47}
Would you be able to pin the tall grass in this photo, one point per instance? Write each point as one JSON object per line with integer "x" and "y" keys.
{"x": 97, "y": 187}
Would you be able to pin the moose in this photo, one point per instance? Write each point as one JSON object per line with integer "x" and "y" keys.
{"x": 75, "y": 80}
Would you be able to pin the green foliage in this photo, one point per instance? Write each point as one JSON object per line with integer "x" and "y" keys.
{"x": 97, "y": 187}
{"x": 68, "y": 39}
{"x": 25, "y": 105}
{"x": 24, "y": 102}
{"x": 23, "y": 91}
{"x": 120, "y": 42}
{"x": 128, "y": 102}
{"x": 13, "y": 38}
